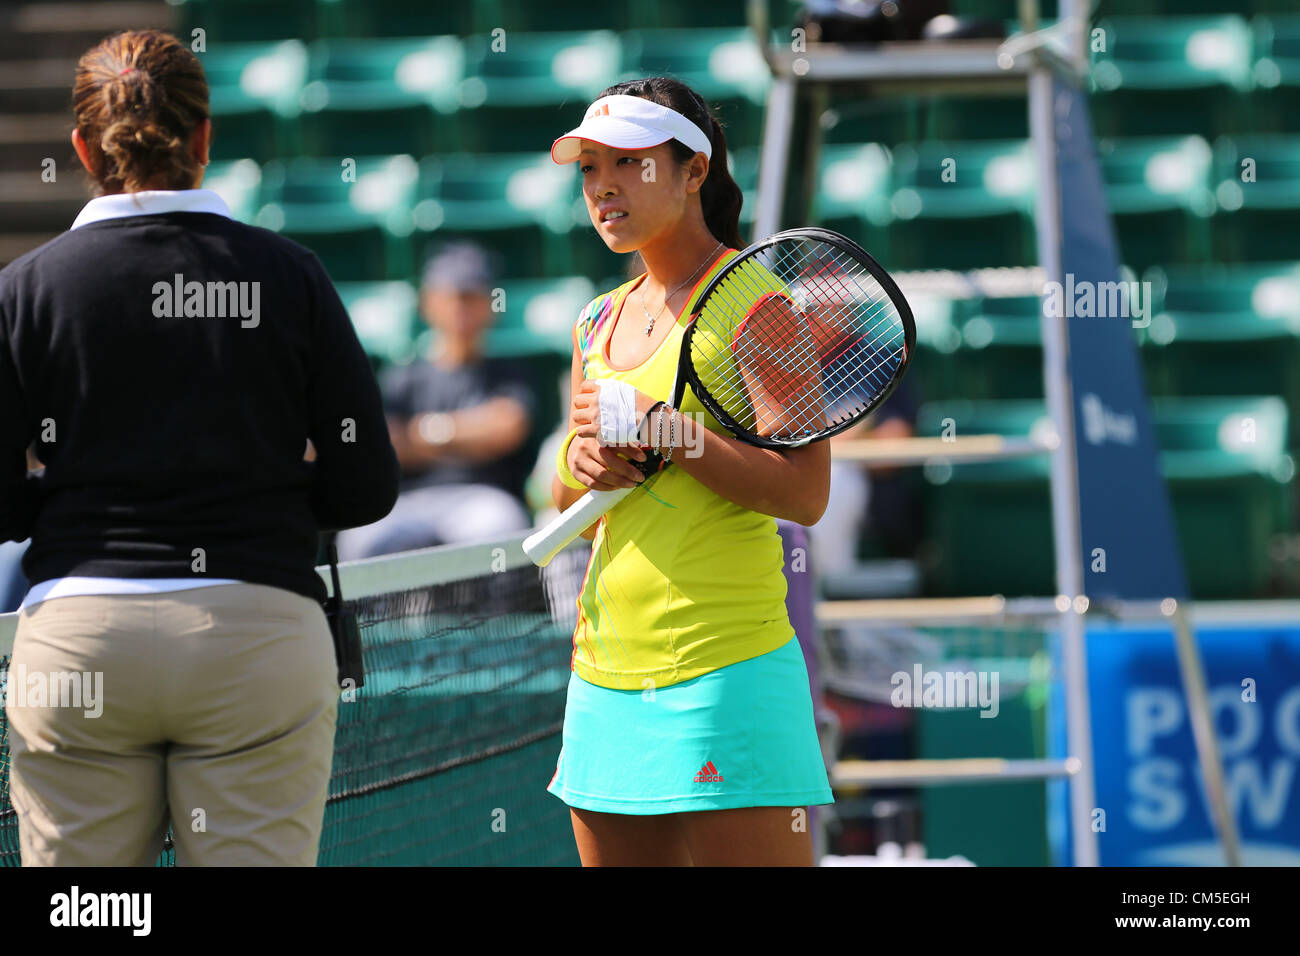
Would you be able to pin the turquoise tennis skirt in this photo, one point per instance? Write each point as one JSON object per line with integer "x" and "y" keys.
{"x": 740, "y": 736}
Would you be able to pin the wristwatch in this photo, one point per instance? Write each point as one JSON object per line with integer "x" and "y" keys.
{"x": 437, "y": 428}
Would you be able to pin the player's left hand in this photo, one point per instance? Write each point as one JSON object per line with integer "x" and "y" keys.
{"x": 615, "y": 408}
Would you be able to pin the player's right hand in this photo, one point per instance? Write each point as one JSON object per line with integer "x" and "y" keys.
{"x": 602, "y": 467}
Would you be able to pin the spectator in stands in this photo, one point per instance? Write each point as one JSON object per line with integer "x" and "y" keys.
{"x": 13, "y": 583}
{"x": 460, "y": 422}
{"x": 851, "y": 511}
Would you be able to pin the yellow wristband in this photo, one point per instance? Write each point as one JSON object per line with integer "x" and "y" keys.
{"x": 562, "y": 464}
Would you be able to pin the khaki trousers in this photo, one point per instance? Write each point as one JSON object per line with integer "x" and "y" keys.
{"x": 212, "y": 707}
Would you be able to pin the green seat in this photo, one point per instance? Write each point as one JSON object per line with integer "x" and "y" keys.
{"x": 1259, "y": 220}
{"x": 1142, "y": 79}
{"x": 853, "y": 194}
{"x": 1229, "y": 330}
{"x": 743, "y": 163}
{"x": 1160, "y": 196}
{"x": 386, "y": 316}
{"x": 723, "y": 65}
{"x": 1002, "y": 349}
{"x": 242, "y": 21}
{"x": 536, "y": 316}
{"x": 1224, "y": 461}
{"x": 355, "y": 213}
{"x": 519, "y": 203}
{"x": 1230, "y": 480}
{"x": 395, "y": 18}
{"x": 962, "y": 205}
{"x": 239, "y": 183}
{"x": 382, "y": 96}
{"x": 938, "y": 339}
{"x": 540, "y": 17}
{"x": 690, "y": 16}
{"x": 988, "y": 525}
{"x": 975, "y": 117}
{"x": 534, "y": 90}
{"x": 1277, "y": 45}
{"x": 253, "y": 96}
{"x": 852, "y": 119}
{"x": 1277, "y": 72}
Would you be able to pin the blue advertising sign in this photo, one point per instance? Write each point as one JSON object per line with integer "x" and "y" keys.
{"x": 1150, "y": 795}
{"x": 1130, "y": 548}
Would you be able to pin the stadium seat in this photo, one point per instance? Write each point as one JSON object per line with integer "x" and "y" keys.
{"x": 971, "y": 509}
{"x": 535, "y": 89}
{"x": 938, "y": 340}
{"x": 1277, "y": 72}
{"x": 724, "y": 66}
{"x": 1002, "y": 348}
{"x": 520, "y": 204}
{"x": 1228, "y": 330}
{"x": 1277, "y": 46}
{"x": 239, "y": 183}
{"x": 1160, "y": 196}
{"x": 1260, "y": 216}
{"x": 853, "y": 194}
{"x": 975, "y": 117}
{"x": 395, "y": 18}
{"x": 1231, "y": 482}
{"x": 367, "y": 97}
{"x": 1001, "y": 355}
{"x": 887, "y": 120}
{"x": 690, "y": 16}
{"x": 1224, "y": 461}
{"x": 354, "y": 213}
{"x": 962, "y": 205}
{"x": 538, "y": 17}
{"x": 253, "y": 96}
{"x": 536, "y": 316}
{"x": 239, "y": 21}
{"x": 743, "y": 163}
{"x": 1142, "y": 79}
{"x": 386, "y": 316}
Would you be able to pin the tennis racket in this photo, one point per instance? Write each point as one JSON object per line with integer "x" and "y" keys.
{"x": 799, "y": 337}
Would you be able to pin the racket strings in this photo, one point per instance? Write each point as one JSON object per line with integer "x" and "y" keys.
{"x": 832, "y": 304}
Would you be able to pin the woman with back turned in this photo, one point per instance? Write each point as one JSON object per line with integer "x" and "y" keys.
{"x": 688, "y": 731}
{"x": 169, "y": 367}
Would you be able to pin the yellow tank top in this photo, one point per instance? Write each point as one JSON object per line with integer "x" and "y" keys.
{"x": 681, "y": 581}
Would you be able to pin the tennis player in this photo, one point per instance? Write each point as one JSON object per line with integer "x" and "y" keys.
{"x": 168, "y": 366}
{"x": 689, "y": 735}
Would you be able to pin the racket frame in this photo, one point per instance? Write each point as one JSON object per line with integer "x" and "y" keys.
{"x": 686, "y": 366}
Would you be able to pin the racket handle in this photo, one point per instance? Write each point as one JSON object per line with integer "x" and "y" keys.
{"x": 547, "y": 542}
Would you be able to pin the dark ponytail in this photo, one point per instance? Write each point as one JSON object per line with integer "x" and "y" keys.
{"x": 720, "y": 197}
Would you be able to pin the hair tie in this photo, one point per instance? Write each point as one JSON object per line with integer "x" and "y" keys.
{"x": 129, "y": 69}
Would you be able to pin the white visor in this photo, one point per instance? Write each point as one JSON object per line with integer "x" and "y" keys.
{"x": 630, "y": 122}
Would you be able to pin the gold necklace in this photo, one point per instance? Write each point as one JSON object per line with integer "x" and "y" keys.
{"x": 651, "y": 319}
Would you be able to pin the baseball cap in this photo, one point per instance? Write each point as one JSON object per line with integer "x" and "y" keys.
{"x": 630, "y": 122}
{"x": 458, "y": 265}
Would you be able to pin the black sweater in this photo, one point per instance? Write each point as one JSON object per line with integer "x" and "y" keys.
{"x": 173, "y": 443}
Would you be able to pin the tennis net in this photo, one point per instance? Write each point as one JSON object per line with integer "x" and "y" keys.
{"x": 444, "y": 756}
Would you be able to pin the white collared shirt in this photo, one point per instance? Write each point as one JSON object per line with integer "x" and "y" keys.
{"x": 150, "y": 202}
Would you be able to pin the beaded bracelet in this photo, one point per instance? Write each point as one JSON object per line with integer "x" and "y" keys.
{"x": 645, "y": 419}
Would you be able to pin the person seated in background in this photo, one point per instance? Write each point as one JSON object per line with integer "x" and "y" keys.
{"x": 13, "y": 583}
{"x": 459, "y": 422}
{"x": 851, "y": 512}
